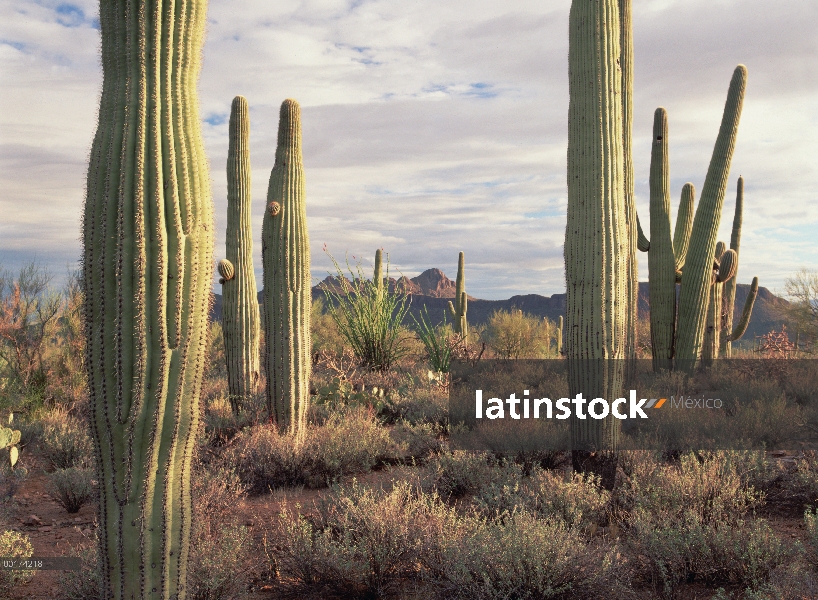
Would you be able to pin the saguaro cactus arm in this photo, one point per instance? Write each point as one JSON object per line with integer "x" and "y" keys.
{"x": 147, "y": 272}
{"x": 684, "y": 224}
{"x": 695, "y": 290}
{"x": 746, "y": 313}
{"x": 729, "y": 299}
{"x": 642, "y": 242}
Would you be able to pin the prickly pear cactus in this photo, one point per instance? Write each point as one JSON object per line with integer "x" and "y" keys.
{"x": 458, "y": 308}
{"x": 240, "y": 311}
{"x": 148, "y": 259}
{"x": 9, "y": 438}
{"x": 287, "y": 290}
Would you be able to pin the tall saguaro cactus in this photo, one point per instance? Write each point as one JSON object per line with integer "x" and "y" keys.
{"x": 287, "y": 290}
{"x": 148, "y": 246}
{"x": 597, "y": 240}
{"x": 240, "y": 313}
{"x": 661, "y": 259}
{"x": 458, "y": 308}
{"x": 694, "y": 295}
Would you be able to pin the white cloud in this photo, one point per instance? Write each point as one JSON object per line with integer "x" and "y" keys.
{"x": 432, "y": 127}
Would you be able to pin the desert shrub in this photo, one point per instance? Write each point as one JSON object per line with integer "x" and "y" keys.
{"x": 683, "y": 549}
{"x": 349, "y": 443}
{"x": 455, "y": 474}
{"x": 14, "y": 545}
{"x": 521, "y": 557}
{"x": 707, "y": 484}
{"x": 369, "y": 317}
{"x": 10, "y": 479}
{"x": 324, "y": 332}
{"x": 85, "y": 584}
{"x": 65, "y": 441}
{"x": 515, "y": 335}
{"x": 362, "y": 542}
{"x": 574, "y": 499}
{"x": 71, "y": 488}
{"x": 220, "y": 548}
{"x": 801, "y": 483}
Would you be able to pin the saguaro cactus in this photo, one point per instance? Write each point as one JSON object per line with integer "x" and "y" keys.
{"x": 287, "y": 293}
{"x": 597, "y": 241}
{"x": 695, "y": 289}
{"x": 724, "y": 270}
{"x": 458, "y": 309}
{"x": 148, "y": 255}
{"x": 240, "y": 313}
{"x": 728, "y": 334}
{"x": 661, "y": 259}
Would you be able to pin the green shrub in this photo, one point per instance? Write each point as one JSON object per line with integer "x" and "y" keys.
{"x": 72, "y": 488}
{"x": 353, "y": 442}
{"x": 514, "y": 335}
{"x": 65, "y": 441}
{"x": 324, "y": 332}
{"x": 14, "y": 545}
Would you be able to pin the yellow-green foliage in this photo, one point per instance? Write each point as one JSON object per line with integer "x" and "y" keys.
{"x": 14, "y": 545}
{"x": 518, "y": 335}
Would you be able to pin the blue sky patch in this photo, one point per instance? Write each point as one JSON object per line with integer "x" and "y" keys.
{"x": 216, "y": 119}
{"x": 70, "y": 15}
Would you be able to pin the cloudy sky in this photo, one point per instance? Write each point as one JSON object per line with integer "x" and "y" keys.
{"x": 432, "y": 127}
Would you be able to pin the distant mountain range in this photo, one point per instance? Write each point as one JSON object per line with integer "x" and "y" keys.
{"x": 433, "y": 289}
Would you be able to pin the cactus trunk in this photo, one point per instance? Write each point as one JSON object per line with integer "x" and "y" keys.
{"x": 695, "y": 291}
{"x": 661, "y": 260}
{"x": 597, "y": 241}
{"x": 287, "y": 285}
{"x": 458, "y": 308}
{"x": 148, "y": 245}
{"x": 240, "y": 313}
{"x": 729, "y": 299}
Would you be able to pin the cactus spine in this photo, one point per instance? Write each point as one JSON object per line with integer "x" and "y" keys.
{"x": 148, "y": 255}
{"x": 597, "y": 240}
{"x": 695, "y": 289}
{"x": 661, "y": 259}
{"x": 240, "y": 313}
{"x": 457, "y": 310}
{"x": 287, "y": 293}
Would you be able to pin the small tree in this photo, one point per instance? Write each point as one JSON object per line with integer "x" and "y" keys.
{"x": 29, "y": 313}
{"x": 802, "y": 292}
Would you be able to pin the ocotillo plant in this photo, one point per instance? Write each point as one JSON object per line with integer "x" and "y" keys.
{"x": 287, "y": 294}
{"x": 728, "y": 334}
{"x": 596, "y": 277}
{"x": 240, "y": 312}
{"x": 147, "y": 272}
{"x": 559, "y": 336}
{"x": 458, "y": 309}
{"x": 698, "y": 268}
